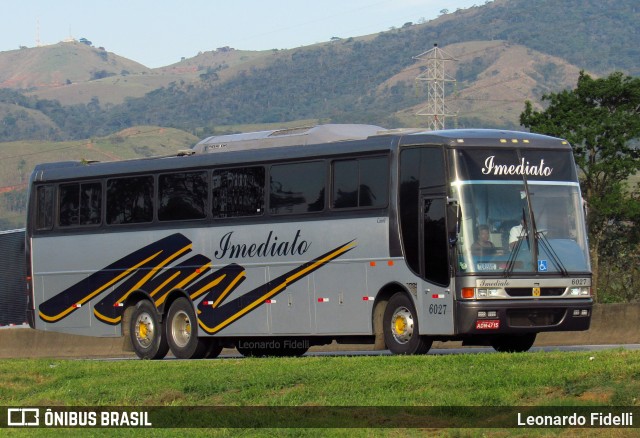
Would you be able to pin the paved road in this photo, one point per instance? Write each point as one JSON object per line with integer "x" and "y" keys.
{"x": 432, "y": 352}
{"x": 465, "y": 350}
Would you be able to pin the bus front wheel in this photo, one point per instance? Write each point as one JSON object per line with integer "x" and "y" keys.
{"x": 146, "y": 333}
{"x": 513, "y": 343}
{"x": 400, "y": 326}
{"x": 182, "y": 331}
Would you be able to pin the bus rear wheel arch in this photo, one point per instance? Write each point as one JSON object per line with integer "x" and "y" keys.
{"x": 182, "y": 332}
{"x": 400, "y": 327}
{"x": 146, "y": 331}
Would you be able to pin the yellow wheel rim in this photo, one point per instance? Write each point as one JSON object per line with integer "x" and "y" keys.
{"x": 400, "y": 325}
{"x": 143, "y": 331}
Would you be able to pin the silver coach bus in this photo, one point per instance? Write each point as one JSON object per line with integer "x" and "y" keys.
{"x": 275, "y": 241}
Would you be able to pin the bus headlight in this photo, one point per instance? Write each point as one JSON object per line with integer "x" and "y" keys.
{"x": 580, "y": 291}
{"x": 488, "y": 292}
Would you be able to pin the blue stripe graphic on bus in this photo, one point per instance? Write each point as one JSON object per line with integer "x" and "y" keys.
{"x": 149, "y": 269}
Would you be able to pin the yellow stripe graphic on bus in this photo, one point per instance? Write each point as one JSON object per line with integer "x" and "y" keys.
{"x": 152, "y": 270}
{"x": 142, "y": 282}
{"x": 73, "y": 307}
{"x": 258, "y": 296}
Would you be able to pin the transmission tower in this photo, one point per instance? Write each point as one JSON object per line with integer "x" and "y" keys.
{"x": 436, "y": 77}
{"x": 38, "y": 43}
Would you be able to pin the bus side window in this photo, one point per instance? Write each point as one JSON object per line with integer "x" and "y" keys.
{"x": 182, "y": 196}
{"x": 80, "y": 204}
{"x": 361, "y": 182}
{"x": 90, "y": 203}
{"x": 44, "y": 207}
{"x": 238, "y": 192}
{"x": 130, "y": 200}
{"x": 69, "y": 205}
{"x": 297, "y": 188}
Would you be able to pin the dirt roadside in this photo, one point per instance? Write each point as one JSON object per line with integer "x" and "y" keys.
{"x": 611, "y": 324}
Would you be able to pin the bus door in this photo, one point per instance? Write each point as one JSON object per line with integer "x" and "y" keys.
{"x": 437, "y": 291}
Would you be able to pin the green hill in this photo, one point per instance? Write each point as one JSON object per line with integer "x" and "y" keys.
{"x": 508, "y": 51}
{"x": 18, "y": 158}
{"x": 61, "y": 64}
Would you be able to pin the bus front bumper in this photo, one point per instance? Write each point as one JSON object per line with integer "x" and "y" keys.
{"x": 522, "y": 316}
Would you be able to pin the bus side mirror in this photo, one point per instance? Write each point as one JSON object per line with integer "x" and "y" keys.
{"x": 454, "y": 214}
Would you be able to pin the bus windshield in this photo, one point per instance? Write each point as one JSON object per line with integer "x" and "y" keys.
{"x": 499, "y": 233}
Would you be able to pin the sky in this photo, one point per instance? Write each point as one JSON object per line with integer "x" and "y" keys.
{"x": 157, "y": 33}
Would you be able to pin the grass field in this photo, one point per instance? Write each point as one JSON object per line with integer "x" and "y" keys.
{"x": 569, "y": 379}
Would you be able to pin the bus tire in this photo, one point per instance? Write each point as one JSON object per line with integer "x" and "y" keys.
{"x": 146, "y": 332}
{"x": 513, "y": 343}
{"x": 182, "y": 331}
{"x": 400, "y": 327}
{"x": 213, "y": 350}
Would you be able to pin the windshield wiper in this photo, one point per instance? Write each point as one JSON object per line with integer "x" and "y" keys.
{"x": 546, "y": 245}
{"x": 539, "y": 237}
{"x": 511, "y": 262}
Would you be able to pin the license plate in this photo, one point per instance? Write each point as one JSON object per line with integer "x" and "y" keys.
{"x": 488, "y": 324}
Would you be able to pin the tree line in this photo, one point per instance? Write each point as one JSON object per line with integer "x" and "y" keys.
{"x": 601, "y": 119}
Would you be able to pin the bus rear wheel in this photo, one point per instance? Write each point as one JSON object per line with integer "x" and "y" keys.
{"x": 182, "y": 331}
{"x": 513, "y": 343}
{"x": 213, "y": 350}
{"x": 146, "y": 332}
{"x": 400, "y": 327}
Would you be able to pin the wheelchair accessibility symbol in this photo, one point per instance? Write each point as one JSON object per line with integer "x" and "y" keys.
{"x": 542, "y": 265}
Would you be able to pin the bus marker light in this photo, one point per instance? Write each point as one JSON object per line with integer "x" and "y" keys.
{"x": 492, "y": 314}
{"x": 77, "y": 305}
{"x": 368, "y": 298}
{"x": 323, "y": 300}
{"x": 390, "y": 263}
{"x": 270, "y": 301}
{"x": 468, "y": 292}
{"x": 436, "y": 296}
{"x": 118, "y": 305}
{"x": 372, "y": 263}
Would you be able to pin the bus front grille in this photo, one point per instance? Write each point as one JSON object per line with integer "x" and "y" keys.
{"x": 528, "y": 291}
{"x": 534, "y": 317}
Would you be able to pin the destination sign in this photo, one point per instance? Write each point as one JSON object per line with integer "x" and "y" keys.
{"x": 485, "y": 164}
